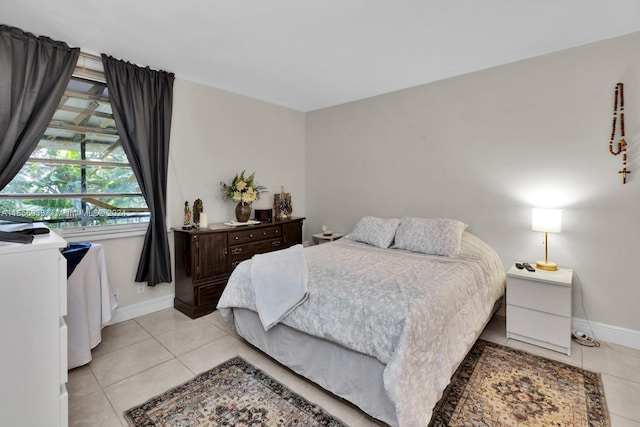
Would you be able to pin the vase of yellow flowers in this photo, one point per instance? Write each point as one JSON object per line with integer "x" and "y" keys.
{"x": 243, "y": 190}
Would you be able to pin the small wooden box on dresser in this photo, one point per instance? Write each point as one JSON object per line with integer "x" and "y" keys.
{"x": 539, "y": 307}
{"x": 205, "y": 258}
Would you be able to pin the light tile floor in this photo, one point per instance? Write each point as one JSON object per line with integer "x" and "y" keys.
{"x": 143, "y": 357}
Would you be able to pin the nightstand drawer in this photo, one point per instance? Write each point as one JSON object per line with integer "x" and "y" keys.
{"x": 550, "y": 298}
{"x": 544, "y": 327}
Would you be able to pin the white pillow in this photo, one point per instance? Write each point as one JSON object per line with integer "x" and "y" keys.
{"x": 375, "y": 231}
{"x": 435, "y": 236}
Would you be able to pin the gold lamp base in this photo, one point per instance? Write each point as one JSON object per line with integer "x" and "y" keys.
{"x": 547, "y": 265}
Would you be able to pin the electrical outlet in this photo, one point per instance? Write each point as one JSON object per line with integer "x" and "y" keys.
{"x": 141, "y": 287}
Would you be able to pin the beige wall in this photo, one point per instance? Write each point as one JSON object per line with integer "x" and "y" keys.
{"x": 215, "y": 134}
{"x": 485, "y": 148}
{"x": 122, "y": 256}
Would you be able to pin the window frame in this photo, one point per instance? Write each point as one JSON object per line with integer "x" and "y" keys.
{"x": 88, "y": 69}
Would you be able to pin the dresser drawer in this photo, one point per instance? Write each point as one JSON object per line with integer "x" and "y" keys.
{"x": 550, "y": 298}
{"x": 209, "y": 294}
{"x": 248, "y": 250}
{"x": 544, "y": 327}
{"x": 64, "y": 406}
{"x": 239, "y": 253}
{"x": 64, "y": 348}
{"x": 62, "y": 283}
{"x": 246, "y": 236}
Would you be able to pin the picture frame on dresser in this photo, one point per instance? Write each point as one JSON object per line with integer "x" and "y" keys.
{"x": 205, "y": 258}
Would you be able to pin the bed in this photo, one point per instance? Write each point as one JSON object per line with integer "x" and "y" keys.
{"x": 388, "y": 314}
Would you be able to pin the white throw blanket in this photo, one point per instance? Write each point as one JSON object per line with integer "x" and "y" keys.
{"x": 279, "y": 283}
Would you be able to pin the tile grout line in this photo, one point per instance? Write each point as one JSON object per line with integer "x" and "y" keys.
{"x": 144, "y": 370}
{"x": 119, "y": 348}
{"x": 173, "y": 356}
{"x": 623, "y": 417}
{"x": 124, "y": 379}
{"x": 111, "y": 405}
{"x": 226, "y": 333}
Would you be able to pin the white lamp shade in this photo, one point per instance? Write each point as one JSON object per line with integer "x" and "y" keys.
{"x": 547, "y": 220}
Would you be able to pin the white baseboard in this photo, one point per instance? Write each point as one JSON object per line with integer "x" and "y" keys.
{"x": 608, "y": 333}
{"x": 127, "y": 312}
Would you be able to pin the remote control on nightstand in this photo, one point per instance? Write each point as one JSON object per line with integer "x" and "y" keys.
{"x": 528, "y": 267}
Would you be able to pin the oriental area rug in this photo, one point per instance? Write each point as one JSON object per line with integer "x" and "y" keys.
{"x": 234, "y": 393}
{"x": 499, "y": 386}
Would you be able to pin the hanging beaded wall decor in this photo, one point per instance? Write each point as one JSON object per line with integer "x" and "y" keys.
{"x": 621, "y": 147}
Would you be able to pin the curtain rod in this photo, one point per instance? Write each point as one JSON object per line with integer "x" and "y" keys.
{"x": 91, "y": 55}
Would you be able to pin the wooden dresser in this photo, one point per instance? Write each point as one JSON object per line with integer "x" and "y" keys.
{"x": 204, "y": 258}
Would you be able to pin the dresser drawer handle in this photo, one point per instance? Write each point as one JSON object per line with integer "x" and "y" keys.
{"x": 250, "y": 236}
{"x": 264, "y": 233}
{"x": 275, "y": 243}
{"x": 235, "y": 264}
{"x": 236, "y": 251}
{"x": 236, "y": 238}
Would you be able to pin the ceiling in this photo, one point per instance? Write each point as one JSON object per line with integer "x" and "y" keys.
{"x": 306, "y": 54}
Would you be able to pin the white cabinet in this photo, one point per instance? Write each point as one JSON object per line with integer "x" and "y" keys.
{"x": 33, "y": 335}
{"x": 539, "y": 307}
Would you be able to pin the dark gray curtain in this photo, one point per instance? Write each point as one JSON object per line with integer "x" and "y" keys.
{"x": 34, "y": 72}
{"x": 142, "y": 100}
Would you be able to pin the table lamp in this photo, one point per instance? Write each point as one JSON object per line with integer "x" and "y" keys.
{"x": 547, "y": 221}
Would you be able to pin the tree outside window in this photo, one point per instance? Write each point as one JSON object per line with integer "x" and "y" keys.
{"x": 79, "y": 174}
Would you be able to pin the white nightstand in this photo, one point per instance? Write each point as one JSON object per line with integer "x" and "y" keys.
{"x": 539, "y": 307}
{"x": 321, "y": 238}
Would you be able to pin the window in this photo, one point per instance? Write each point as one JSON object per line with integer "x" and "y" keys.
{"x": 79, "y": 174}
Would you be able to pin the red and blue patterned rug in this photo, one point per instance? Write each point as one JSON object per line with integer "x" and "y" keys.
{"x": 500, "y": 386}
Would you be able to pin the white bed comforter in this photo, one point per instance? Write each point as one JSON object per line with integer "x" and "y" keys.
{"x": 418, "y": 314}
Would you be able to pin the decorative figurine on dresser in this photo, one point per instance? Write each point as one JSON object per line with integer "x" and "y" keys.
{"x": 205, "y": 257}
{"x": 197, "y": 211}
{"x": 186, "y": 223}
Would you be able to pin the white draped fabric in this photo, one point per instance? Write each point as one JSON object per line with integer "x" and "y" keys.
{"x": 90, "y": 304}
